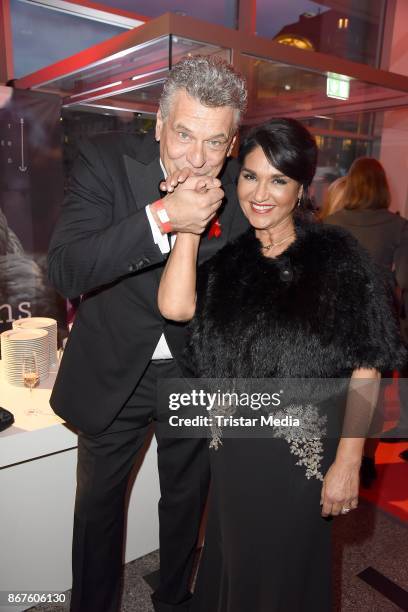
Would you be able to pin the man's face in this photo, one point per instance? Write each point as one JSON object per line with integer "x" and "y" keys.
{"x": 195, "y": 136}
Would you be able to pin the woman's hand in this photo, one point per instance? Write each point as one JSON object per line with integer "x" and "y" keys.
{"x": 171, "y": 182}
{"x": 180, "y": 176}
{"x": 340, "y": 487}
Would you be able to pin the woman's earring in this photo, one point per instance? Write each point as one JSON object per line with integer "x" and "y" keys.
{"x": 298, "y": 202}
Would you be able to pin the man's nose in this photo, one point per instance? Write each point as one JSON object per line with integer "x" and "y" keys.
{"x": 196, "y": 155}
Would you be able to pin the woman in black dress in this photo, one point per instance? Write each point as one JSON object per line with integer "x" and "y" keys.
{"x": 287, "y": 299}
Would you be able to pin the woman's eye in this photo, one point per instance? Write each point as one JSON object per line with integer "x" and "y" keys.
{"x": 249, "y": 177}
{"x": 279, "y": 181}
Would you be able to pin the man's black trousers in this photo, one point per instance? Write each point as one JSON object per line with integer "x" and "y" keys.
{"x": 104, "y": 464}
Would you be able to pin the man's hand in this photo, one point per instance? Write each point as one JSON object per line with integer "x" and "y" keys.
{"x": 193, "y": 204}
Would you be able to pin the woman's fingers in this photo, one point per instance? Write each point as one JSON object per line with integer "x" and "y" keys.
{"x": 171, "y": 182}
{"x": 334, "y": 505}
{"x": 354, "y": 503}
{"x": 200, "y": 183}
{"x": 335, "y": 508}
{"x": 207, "y": 182}
{"x": 326, "y": 508}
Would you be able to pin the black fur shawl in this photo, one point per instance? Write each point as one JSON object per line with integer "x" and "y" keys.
{"x": 320, "y": 309}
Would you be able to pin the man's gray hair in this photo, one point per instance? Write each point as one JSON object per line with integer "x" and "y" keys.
{"x": 208, "y": 79}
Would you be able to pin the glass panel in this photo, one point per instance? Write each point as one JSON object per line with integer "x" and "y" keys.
{"x": 132, "y": 78}
{"x": 278, "y": 89}
{"x": 149, "y": 59}
{"x": 344, "y": 128}
{"x": 85, "y": 122}
{"x": 184, "y": 46}
{"x": 145, "y": 99}
{"x": 42, "y": 36}
{"x": 222, "y": 12}
{"x": 352, "y": 32}
{"x": 337, "y": 152}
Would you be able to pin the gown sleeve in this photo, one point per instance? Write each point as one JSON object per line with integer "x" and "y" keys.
{"x": 366, "y": 306}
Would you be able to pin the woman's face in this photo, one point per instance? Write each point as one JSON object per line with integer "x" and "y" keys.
{"x": 266, "y": 195}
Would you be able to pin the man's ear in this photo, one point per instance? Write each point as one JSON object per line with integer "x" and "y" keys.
{"x": 231, "y": 146}
{"x": 159, "y": 123}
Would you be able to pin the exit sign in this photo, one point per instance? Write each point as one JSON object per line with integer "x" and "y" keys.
{"x": 338, "y": 86}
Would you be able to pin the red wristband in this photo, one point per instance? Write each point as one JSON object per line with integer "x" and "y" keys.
{"x": 161, "y": 212}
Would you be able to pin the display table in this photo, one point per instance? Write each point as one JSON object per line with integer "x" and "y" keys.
{"x": 37, "y": 484}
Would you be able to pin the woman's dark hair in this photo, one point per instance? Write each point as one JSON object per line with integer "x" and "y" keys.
{"x": 288, "y": 146}
{"x": 367, "y": 185}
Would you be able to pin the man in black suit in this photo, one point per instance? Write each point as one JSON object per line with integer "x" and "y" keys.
{"x": 110, "y": 246}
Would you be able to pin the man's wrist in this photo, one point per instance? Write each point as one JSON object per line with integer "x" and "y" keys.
{"x": 161, "y": 217}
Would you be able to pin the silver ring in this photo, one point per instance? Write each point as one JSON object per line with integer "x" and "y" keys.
{"x": 345, "y": 510}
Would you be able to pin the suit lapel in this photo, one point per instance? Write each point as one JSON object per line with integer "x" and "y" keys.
{"x": 231, "y": 217}
{"x": 144, "y": 180}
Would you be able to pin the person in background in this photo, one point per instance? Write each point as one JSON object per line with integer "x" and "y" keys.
{"x": 333, "y": 200}
{"x": 110, "y": 246}
{"x": 289, "y": 299}
{"x": 384, "y": 235}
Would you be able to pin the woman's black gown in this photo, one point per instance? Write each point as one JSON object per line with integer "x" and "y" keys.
{"x": 316, "y": 311}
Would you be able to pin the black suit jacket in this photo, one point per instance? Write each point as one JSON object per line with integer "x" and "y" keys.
{"x": 103, "y": 249}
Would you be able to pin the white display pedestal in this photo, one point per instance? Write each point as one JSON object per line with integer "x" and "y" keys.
{"x": 37, "y": 485}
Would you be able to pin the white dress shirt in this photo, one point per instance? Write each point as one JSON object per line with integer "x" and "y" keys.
{"x": 162, "y": 350}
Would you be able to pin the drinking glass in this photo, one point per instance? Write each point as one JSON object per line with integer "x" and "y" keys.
{"x": 31, "y": 378}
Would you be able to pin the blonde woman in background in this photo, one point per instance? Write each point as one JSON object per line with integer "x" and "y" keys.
{"x": 334, "y": 199}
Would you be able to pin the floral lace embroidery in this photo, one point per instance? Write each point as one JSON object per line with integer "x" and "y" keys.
{"x": 216, "y": 430}
{"x": 305, "y": 441}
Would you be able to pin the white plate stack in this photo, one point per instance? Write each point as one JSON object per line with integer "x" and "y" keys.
{"x": 16, "y": 344}
{"x": 42, "y": 323}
